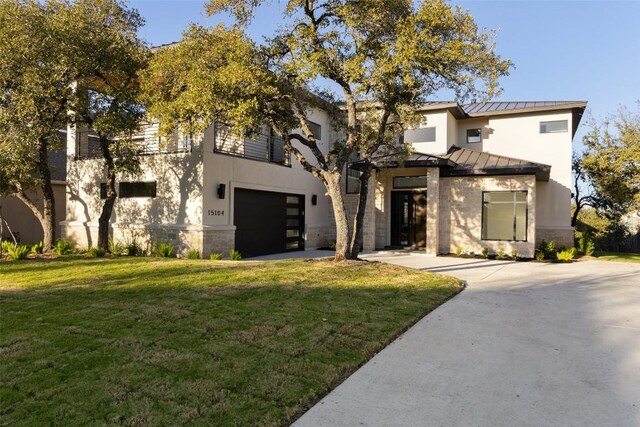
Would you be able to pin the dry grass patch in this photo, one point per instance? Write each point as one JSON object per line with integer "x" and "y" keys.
{"x": 136, "y": 341}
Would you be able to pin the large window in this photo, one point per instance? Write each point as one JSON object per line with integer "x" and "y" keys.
{"x": 137, "y": 189}
{"x": 401, "y": 182}
{"x": 554, "y": 126}
{"x": 353, "y": 180}
{"x": 420, "y": 135}
{"x": 504, "y": 215}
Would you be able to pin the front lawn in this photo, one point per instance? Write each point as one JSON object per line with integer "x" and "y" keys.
{"x": 137, "y": 341}
{"x": 618, "y": 256}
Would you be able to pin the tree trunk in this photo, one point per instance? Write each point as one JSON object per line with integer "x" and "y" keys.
{"x": 49, "y": 204}
{"x": 340, "y": 214}
{"x": 574, "y": 217}
{"x": 107, "y": 207}
{"x": 358, "y": 222}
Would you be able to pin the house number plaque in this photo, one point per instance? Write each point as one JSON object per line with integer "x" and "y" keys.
{"x": 215, "y": 212}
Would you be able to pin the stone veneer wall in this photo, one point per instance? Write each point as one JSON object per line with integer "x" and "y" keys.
{"x": 562, "y": 237}
{"x": 461, "y": 213}
{"x": 184, "y": 238}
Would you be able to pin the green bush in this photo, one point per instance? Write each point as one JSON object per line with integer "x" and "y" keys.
{"x": 549, "y": 249}
{"x": 539, "y": 256}
{"x": 7, "y": 246}
{"x": 96, "y": 252}
{"x": 458, "y": 251}
{"x": 472, "y": 254}
{"x": 37, "y": 248}
{"x": 18, "y": 252}
{"x": 193, "y": 254}
{"x": 63, "y": 247}
{"x": 566, "y": 255}
{"x": 134, "y": 249}
{"x": 485, "y": 253}
{"x": 586, "y": 245}
{"x": 501, "y": 254}
{"x": 514, "y": 254}
{"x": 235, "y": 255}
{"x": 215, "y": 256}
{"x": 116, "y": 248}
{"x": 164, "y": 250}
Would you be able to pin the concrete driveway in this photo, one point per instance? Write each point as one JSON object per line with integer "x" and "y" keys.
{"x": 526, "y": 344}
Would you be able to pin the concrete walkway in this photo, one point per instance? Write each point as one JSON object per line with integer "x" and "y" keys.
{"x": 526, "y": 344}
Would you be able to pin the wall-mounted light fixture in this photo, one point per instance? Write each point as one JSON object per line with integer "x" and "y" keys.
{"x": 221, "y": 190}
{"x": 314, "y": 199}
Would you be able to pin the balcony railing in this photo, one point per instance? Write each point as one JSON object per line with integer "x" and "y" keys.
{"x": 147, "y": 141}
{"x": 265, "y": 147}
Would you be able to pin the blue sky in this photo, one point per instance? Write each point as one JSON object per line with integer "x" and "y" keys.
{"x": 562, "y": 50}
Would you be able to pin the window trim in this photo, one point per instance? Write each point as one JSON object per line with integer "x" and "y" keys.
{"x": 474, "y": 142}
{"x": 526, "y": 217}
{"x": 554, "y": 121}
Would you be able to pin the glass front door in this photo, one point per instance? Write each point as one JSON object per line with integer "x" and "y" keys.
{"x": 409, "y": 218}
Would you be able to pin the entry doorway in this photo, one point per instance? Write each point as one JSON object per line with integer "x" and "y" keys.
{"x": 409, "y": 218}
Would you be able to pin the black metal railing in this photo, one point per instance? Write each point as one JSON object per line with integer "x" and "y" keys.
{"x": 265, "y": 147}
{"x": 146, "y": 141}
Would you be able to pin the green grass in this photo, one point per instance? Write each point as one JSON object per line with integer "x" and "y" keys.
{"x": 618, "y": 256}
{"x": 135, "y": 341}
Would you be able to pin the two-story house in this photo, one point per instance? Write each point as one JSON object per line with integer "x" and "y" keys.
{"x": 493, "y": 175}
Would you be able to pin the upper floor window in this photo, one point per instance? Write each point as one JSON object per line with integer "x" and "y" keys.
{"x": 474, "y": 135}
{"x": 554, "y": 126}
{"x": 316, "y": 129}
{"x": 420, "y": 135}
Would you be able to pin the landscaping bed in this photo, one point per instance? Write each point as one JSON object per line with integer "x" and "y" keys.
{"x": 140, "y": 341}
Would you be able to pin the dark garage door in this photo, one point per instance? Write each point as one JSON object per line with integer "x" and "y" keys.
{"x": 268, "y": 222}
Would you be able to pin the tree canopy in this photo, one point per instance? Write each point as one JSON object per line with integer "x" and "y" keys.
{"x": 611, "y": 161}
{"x": 384, "y": 57}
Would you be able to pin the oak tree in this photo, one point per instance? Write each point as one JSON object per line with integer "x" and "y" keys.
{"x": 385, "y": 58}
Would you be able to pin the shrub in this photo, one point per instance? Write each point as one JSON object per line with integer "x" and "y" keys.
{"x": 63, "y": 247}
{"x": 215, "y": 256}
{"x": 472, "y": 254}
{"x": 586, "y": 246}
{"x": 37, "y": 248}
{"x": 134, "y": 249}
{"x": 501, "y": 254}
{"x": 18, "y": 252}
{"x": 116, "y": 248}
{"x": 6, "y": 246}
{"x": 539, "y": 255}
{"x": 193, "y": 254}
{"x": 458, "y": 251}
{"x": 514, "y": 254}
{"x": 549, "y": 250}
{"x": 566, "y": 255}
{"x": 164, "y": 250}
{"x": 485, "y": 253}
{"x": 235, "y": 255}
{"x": 96, "y": 252}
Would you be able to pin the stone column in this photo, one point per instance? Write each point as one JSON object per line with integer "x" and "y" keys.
{"x": 433, "y": 211}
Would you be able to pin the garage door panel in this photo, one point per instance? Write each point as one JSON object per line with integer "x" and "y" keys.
{"x": 264, "y": 222}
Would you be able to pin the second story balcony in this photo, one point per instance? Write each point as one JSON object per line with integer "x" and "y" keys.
{"x": 264, "y": 147}
{"x": 147, "y": 141}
